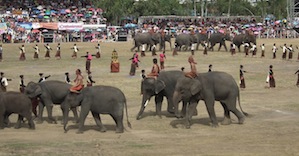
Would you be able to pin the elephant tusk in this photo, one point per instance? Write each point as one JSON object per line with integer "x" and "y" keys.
{"x": 145, "y": 104}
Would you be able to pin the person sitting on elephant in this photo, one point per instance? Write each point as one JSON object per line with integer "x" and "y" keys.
{"x": 155, "y": 70}
{"x": 78, "y": 82}
{"x": 193, "y": 73}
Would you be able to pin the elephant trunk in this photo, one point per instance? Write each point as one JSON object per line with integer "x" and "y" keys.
{"x": 144, "y": 103}
{"x": 176, "y": 99}
{"x": 65, "y": 110}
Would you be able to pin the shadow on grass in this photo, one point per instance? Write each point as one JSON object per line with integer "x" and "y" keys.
{"x": 201, "y": 121}
{"x": 152, "y": 113}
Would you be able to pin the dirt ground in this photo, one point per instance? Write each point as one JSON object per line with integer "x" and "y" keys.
{"x": 271, "y": 129}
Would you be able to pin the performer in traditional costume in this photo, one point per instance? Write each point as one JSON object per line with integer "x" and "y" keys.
{"x": 193, "y": 72}
{"x": 242, "y": 78}
{"x": 98, "y": 49}
{"x": 48, "y": 48}
{"x": 162, "y": 60}
{"x": 36, "y": 52}
{"x": 88, "y": 61}
{"x": 78, "y": 82}
{"x": 57, "y": 55}
{"x": 114, "y": 66}
{"x": 22, "y": 53}
{"x": 155, "y": 70}
{"x": 270, "y": 77}
{"x": 22, "y": 84}
{"x": 297, "y": 72}
{"x": 263, "y": 50}
{"x": 75, "y": 51}
{"x": 274, "y": 50}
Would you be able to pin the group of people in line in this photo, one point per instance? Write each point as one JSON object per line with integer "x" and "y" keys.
{"x": 287, "y": 51}
{"x": 48, "y": 49}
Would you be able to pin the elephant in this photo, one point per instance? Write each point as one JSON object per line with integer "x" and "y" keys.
{"x": 161, "y": 87}
{"x": 98, "y": 100}
{"x": 239, "y": 39}
{"x": 146, "y": 38}
{"x": 209, "y": 87}
{"x": 18, "y": 103}
{"x": 167, "y": 38}
{"x": 219, "y": 38}
{"x": 49, "y": 92}
{"x": 201, "y": 38}
{"x": 185, "y": 40}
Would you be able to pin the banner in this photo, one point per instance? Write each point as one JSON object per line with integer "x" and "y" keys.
{"x": 53, "y": 26}
{"x": 70, "y": 26}
{"x": 94, "y": 26}
{"x": 27, "y": 26}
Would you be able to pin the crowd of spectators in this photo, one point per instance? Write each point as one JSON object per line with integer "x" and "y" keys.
{"x": 13, "y": 12}
{"x": 24, "y": 11}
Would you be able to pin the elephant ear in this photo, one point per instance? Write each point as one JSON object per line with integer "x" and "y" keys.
{"x": 159, "y": 86}
{"x": 196, "y": 87}
{"x": 38, "y": 90}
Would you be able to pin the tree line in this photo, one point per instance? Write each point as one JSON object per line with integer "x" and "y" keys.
{"x": 117, "y": 10}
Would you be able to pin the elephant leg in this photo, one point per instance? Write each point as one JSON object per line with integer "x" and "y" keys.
{"x": 190, "y": 110}
{"x": 98, "y": 121}
{"x": 212, "y": 46}
{"x": 224, "y": 45}
{"x": 158, "y": 101}
{"x": 83, "y": 114}
{"x": 184, "y": 110}
{"x": 2, "y": 124}
{"x": 75, "y": 112}
{"x": 231, "y": 105}
{"x": 50, "y": 116}
{"x": 170, "y": 106}
{"x": 18, "y": 124}
{"x": 118, "y": 118}
{"x": 220, "y": 45}
{"x": 226, "y": 119}
{"x": 30, "y": 121}
{"x": 6, "y": 119}
{"x": 211, "y": 111}
{"x": 40, "y": 113}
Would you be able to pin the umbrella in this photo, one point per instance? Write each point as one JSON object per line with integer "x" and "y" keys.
{"x": 259, "y": 24}
{"x": 94, "y": 16}
{"x": 45, "y": 30}
{"x": 130, "y": 25}
{"x": 80, "y": 15}
{"x": 33, "y": 15}
{"x": 46, "y": 17}
{"x": 62, "y": 11}
{"x": 35, "y": 31}
{"x": 83, "y": 9}
{"x": 42, "y": 14}
{"x": 99, "y": 30}
{"x": 39, "y": 7}
{"x": 67, "y": 10}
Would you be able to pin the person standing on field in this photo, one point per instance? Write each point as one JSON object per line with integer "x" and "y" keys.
{"x": 22, "y": 53}
{"x": 162, "y": 60}
{"x": 36, "y": 52}
{"x": 274, "y": 49}
{"x": 242, "y": 79}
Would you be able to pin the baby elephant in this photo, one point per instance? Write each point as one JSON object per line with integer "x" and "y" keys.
{"x": 18, "y": 103}
{"x": 98, "y": 100}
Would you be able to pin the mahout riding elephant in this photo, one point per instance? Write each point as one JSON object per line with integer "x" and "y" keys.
{"x": 209, "y": 87}
{"x": 185, "y": 40}
{"x": 219, "y": 38}
{"x": 49, "y": 92}
{"x": 146, "y": 38}
{"x": 98, "y": 100}
{"x": 240, "y": 39}
{"x": 161, "y": 87}
{"x": 17, "y": 103}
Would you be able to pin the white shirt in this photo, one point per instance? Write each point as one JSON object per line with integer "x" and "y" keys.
{"x": 4, "y": 81}
{"x": 274, "y": 49}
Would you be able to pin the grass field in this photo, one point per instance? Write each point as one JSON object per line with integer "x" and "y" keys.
{"x": 271, "y": 129}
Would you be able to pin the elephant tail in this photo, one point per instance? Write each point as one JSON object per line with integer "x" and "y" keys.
{"x": 246, "y": 114}
{"x": 128, "y": 122}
